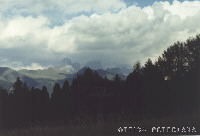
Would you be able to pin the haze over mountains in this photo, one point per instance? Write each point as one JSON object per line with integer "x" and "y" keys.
{"x": 64, "y": 70}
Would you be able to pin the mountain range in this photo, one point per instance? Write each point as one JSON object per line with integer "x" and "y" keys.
{"x": 65, "y": 70}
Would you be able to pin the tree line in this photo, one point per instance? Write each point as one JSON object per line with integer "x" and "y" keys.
{"x": 168, "y": 86}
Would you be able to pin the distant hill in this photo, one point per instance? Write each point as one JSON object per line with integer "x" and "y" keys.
{"x": 8, "y": 77}
{"x": 32, "y": 78}
{"x": 49, "y": 73}
{"x": 47, "y": 77}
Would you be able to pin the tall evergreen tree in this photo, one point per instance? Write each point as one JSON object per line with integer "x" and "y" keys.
{"x": 3, "y": 107}
{"x": 67, "y": 100}
{"x": 58, "y": 103}
{"x": 20, "y": 103}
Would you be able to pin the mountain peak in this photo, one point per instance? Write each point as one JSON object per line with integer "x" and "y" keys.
{"x": 66, "y": 65}
{"x": 66, "y": 61}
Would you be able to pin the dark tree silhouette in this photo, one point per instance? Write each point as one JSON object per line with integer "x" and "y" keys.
{"x": 67, "y": 100}
{"x": 3, "y": 107}
{"x": 134, "y": 88}
{"x": 153, "y": 85}
{"x": 39, "y": 104}
{"x": 19, "y": 103}
{"x": 59, "y": 102}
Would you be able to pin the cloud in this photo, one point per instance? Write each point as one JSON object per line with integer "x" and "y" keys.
{"x": 18, "y": 65}
{"x": 184, "y": 9}
{"x": 66, "y": 7}
{"x": 112, "y": 32}
{"x": 34, "y": 66}
{"x": 57, "y": 11}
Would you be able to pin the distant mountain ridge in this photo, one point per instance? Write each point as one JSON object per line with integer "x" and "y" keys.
{"x": 66, "y": 65}
{"x": 8, "y": 77}
{"x": 65, "y": 70}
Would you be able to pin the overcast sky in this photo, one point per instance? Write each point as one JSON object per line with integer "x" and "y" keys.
{"x": 38, "y": 33}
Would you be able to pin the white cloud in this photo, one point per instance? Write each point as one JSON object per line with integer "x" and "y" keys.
{"x": 120, "y": 37}
{"x": 34, "y": 66}
{"x": 21, "y": 26}
{"x": 17, "y": 65}
{"x": 64, "y": 6}
{"x": 183, "y": 9}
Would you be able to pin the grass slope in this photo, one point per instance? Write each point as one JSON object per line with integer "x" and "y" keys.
{"x": 49, "y": 73}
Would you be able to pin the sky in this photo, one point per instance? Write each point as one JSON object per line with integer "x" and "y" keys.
{"x": 36, "y": 34}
